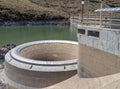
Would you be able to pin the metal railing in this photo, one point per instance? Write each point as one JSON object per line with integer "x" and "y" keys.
{"x": 105, "y": 22}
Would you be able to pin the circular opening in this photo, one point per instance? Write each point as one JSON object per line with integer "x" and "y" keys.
{"x": 50, "y": 51}
{"x": 50, "y": 62}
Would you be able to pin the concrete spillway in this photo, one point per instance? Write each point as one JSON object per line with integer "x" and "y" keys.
{"x": 52, "y": 64}
{"x": 41, "y": 64}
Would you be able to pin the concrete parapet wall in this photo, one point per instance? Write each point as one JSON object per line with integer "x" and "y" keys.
{"x": 108, "y": 40}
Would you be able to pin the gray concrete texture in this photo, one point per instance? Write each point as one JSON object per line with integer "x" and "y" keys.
{"x": 50, "y": 52}
{"x": 41, "y": 64}
{"x": 34, "y": 78}
{"x": 108, "y": 40}
{"x": 98, "y": 65}
{"x": 99, "y": 56}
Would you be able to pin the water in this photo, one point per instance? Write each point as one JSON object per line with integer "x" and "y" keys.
{"x": 22, "y": 34}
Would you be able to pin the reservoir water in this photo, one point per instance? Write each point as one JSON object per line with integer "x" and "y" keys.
{"x": 21, "y": 34}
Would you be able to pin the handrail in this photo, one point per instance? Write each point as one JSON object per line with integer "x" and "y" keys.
{"x": 104, "y": 22}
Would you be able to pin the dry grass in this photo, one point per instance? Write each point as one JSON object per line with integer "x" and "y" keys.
{"x": 45, "y": 9}
{"x": 26, "y": 8}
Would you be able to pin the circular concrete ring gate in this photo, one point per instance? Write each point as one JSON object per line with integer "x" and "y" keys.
{"x": 40, "y": 64}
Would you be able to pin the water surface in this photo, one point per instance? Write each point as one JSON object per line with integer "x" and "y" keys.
{"x": 22, "y": 34}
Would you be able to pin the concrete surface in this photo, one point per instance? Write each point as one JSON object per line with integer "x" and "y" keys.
{"x": 98, "y": 65}
{"x": 44, "y": 62}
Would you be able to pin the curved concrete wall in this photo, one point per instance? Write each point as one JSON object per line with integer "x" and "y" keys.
{"x": 50, "y": 52}
{"x": 34, "y": 78}
{"x": 37, "y": 70}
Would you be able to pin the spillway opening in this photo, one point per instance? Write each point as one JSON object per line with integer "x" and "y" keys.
{"x": 50, "y": 52}
{"x": 44, "y": 62}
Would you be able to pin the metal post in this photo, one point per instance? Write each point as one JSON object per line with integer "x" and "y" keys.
{"x": 110, "y": 19}
{"x": 82, "y": 11}
{"x": 88, "y": 11}
{"x": 95, "y": 20}
{"x": 101, "y": 6}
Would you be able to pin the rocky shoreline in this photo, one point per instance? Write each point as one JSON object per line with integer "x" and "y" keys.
{"x": 27, "y": 23}
{"x": 4, "y": 49}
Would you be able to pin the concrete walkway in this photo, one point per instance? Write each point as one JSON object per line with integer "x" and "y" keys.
{"x": 106, "y": 82}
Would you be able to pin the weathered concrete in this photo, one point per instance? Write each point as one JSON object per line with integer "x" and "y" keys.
{"x": 98, "y": 64}
{"x": 41, "y": 64}
{"x": 107, "y": 41}
{"x": 98, "y": 52}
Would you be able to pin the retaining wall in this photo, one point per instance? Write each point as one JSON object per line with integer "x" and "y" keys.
{"x": 99, "y": 50}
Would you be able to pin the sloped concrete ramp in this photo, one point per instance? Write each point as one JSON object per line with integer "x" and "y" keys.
{"x": 107, "y": 82}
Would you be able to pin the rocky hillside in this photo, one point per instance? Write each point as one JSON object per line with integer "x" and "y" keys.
{"x": 33, "y": 10}
{"x": 26, "y": 10}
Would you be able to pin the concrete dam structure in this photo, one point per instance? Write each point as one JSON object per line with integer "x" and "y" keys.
{"x": 52, "y": 64}
{"x": 100, "y": 51}
{"x": 41, "y": 64}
